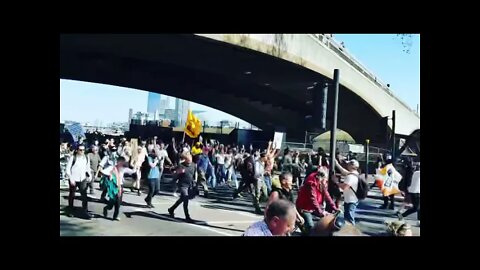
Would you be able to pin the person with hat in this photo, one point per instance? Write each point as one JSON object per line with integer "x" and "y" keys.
{"x": 349, "y": 186}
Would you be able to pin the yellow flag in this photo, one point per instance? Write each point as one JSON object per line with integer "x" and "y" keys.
{"x": 193, "y": 126}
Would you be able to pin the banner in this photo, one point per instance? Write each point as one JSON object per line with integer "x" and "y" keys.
{"x": 76, "y": 130}
{"x": 388, "y": 183}
{"x": 193, "y": 125}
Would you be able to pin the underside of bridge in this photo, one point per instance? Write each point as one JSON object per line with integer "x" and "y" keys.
{"x": 259, "y": 88}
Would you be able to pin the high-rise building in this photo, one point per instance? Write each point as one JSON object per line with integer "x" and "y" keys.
{"x": 170, "y": 114}
{"x": 153, "y": 103}
{"x": 130, "y": 115}
{"x": 181, "y": 111}
{"x": 163, "y": 106}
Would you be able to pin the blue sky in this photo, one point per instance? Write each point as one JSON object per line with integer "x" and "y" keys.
{"x": 381, "y": 53}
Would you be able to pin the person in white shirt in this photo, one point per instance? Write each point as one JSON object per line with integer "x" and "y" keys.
{"x": 414, "y": 191}
{"x": 116, "y": 173}
{"x": 78, "y": 172}
{"x": 221, "y": 172}
{"x": 349, "y": 186}
{"x": 162, "y": 155}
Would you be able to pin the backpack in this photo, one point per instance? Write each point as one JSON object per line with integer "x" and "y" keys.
{"x": 362, "y": 188}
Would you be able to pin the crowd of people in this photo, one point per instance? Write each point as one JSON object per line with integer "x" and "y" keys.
{"x": 203, "y": 166}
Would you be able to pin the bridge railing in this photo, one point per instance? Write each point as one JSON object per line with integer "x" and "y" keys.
{"x": 339, "y": 49}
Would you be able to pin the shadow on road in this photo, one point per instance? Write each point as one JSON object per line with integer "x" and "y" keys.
{"x": 168, "y": 218}
{"x": 369, "y": 220}
{"x": 228, "y": 208}
{"x": 71, "y": 229}
{"x": 370, "y": 213}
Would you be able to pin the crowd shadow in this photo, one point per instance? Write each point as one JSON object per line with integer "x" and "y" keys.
{"x": 222, "y": 207}
{"x": 166, "y": 217}
{"x": 369, "y": 220}
{"x": 377, "y": 214}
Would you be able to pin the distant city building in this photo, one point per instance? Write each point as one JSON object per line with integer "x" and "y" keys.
{"x": 169, "y": 114}
{"x": 163, "y": 106}
{"x": 130, "y": 115}
{"x": 181, "y": 111}
{"x": 153, "y": 102}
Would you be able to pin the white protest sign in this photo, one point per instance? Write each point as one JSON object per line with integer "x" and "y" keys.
{"x": 277, "y": 140}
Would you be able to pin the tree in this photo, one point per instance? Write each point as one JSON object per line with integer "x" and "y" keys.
{"x": 406, "y": 40}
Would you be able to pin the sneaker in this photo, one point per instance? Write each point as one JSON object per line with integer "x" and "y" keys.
{"x": 117, "y": 219}
{"x": 399, "y": 215}
{"x": 105, "y": 212}
{"x": 175, "y": 194}
{"x": 189, "y": 220}
{"x": 171, "y": 213}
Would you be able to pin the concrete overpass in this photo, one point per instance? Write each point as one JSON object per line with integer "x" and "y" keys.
{"x": 261, "y": 78}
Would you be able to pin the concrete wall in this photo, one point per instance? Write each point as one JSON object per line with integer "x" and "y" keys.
{"x": 306, "y": 50}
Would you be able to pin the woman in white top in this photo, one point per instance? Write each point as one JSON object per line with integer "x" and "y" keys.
{"x": 221, "y": 166}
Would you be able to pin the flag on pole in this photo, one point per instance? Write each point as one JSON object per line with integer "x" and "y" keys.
{"x": 76, "y": 130}
{"x": 193, "y": 125}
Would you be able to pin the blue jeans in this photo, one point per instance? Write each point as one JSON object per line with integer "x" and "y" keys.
{"x": 211, "y": 177}
{"x": 350, "y": 211}
{"x": 268, "y": 183}
{"x": 221, "y": 173}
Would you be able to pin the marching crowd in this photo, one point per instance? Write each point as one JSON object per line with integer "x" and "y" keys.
{"x": 209, "y": 165}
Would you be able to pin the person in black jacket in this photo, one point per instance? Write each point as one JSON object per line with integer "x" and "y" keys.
{"x": 247, "y": 171}
{"x": 186, "y": 174}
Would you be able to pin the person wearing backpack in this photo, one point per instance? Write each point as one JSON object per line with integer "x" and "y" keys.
{"x": 79, "y": 174}
{"x": 350, "y": 187}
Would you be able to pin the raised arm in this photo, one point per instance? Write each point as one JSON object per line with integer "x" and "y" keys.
{"x": 342, "y": 170}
